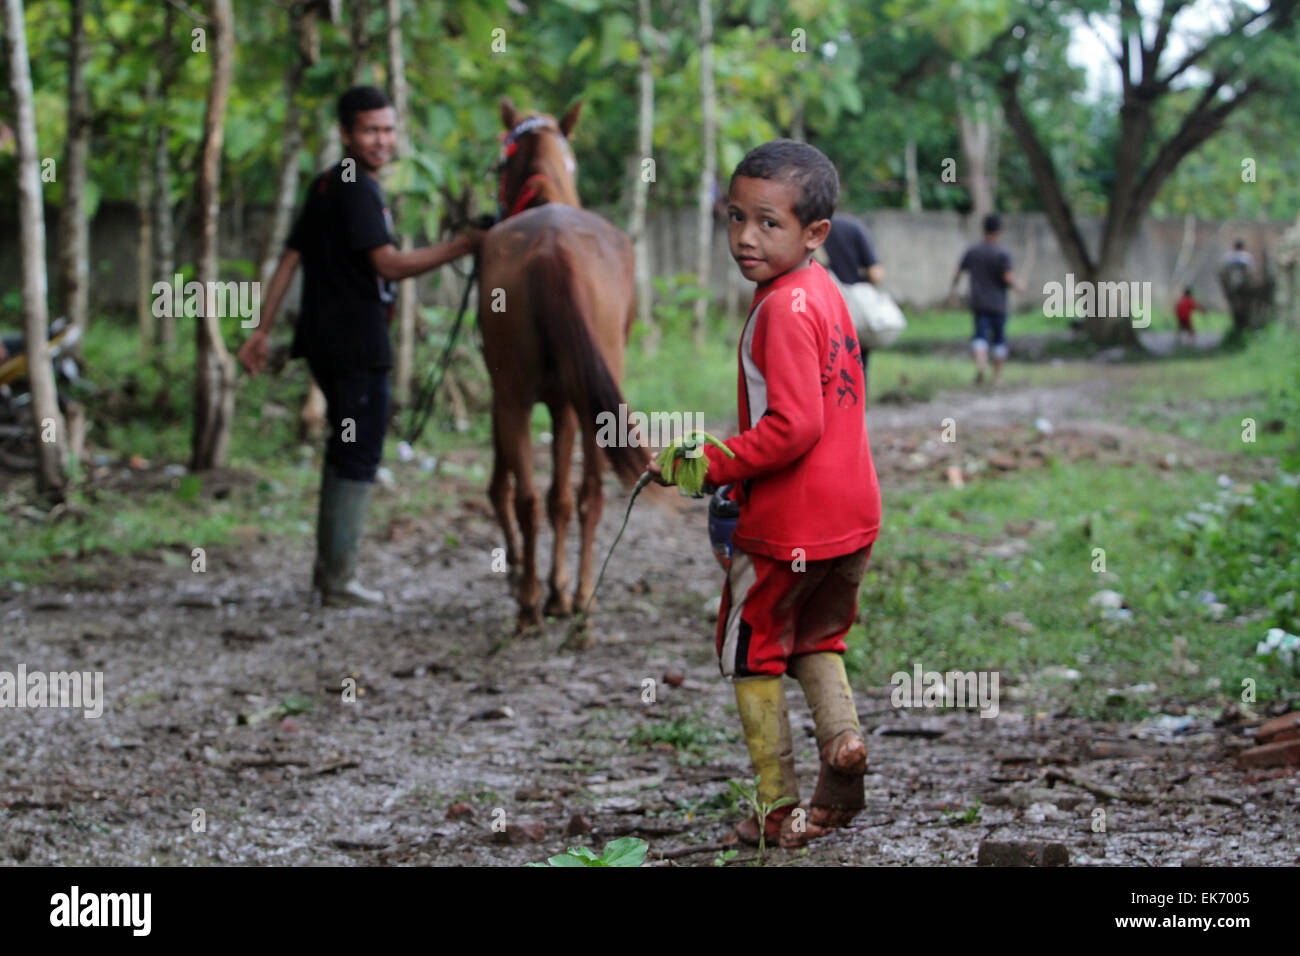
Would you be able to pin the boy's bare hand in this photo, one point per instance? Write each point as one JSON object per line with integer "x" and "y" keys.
{"x": 253, "y": 353}
{"x": 657, "y": 474}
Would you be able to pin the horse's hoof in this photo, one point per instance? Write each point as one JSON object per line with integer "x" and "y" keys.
{"x": 583, "y": 602}
{"x": 530, "y": 621}
{"x": 580, "y": 637}
{"x": 558, "y": 605}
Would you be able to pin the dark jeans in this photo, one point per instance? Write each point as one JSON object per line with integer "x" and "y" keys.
{"x": 357, "y": 409}
{"x": 990, "y": 327}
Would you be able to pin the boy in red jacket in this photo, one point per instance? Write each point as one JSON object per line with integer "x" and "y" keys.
{"x": 1184, "y": 309}
{"x": 803, "y": 475}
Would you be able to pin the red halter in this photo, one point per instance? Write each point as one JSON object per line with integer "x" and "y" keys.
{"x": 532, "y": 186}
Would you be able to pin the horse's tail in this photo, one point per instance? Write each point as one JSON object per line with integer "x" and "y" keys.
{"x": 585, "y": 380}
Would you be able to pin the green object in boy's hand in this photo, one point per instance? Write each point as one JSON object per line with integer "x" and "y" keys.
{"x": 683, "y": 463}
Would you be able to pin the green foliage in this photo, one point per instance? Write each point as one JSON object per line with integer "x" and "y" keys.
{"x": 968, "y": 816}
{"x": 626, "y": 851}
{"x": 691, "y": 734}
{"x": 1252, "y": 543}
{"x": 674, "y": 308}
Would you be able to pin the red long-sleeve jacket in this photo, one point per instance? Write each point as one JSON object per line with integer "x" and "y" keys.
{"x": 803, "y": 465}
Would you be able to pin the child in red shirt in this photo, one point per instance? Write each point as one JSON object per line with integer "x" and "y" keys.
{"x": 1183, "y": 309}
{"x": 803, "y": 475}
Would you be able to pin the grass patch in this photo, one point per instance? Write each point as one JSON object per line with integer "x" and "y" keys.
{"x": 1205, "y": 397}
{"x": 926, "y": 600}
{"x": 690, "y": 734}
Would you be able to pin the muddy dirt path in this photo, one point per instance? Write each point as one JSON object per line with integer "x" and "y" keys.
{"x": 223, "y": 695}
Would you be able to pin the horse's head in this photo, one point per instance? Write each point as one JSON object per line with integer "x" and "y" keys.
{"x": 536, "y": 164}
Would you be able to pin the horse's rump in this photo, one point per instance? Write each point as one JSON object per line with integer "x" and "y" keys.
{"x": 573, "y": 271}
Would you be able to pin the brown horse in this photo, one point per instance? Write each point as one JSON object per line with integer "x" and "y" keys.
{"x": 556, "y": 305}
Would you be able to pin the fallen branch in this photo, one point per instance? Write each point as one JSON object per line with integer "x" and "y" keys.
{"x": 1096, "y": 789}
{"x": 681, "y": 851}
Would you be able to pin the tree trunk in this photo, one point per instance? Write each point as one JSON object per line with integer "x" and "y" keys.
{"x": 286, "y": 191}
{"x": 144, "y": 264}
{"x": 50, "y": 479}
{"x": 911, "y": 177}
{"x": 406, "y": 292}
{"x": 1060, "y": 216}
{"x": 359, "y": 40}
{"x": 798, "y": 130}
{"x": 708, "y": 172}
{"x": 164, "y": 233}
{"x": 214, "y": 394}
{"x": 640, "y": 182}
{"x": 74, "y": 237}
{"x": 977, "y": 127}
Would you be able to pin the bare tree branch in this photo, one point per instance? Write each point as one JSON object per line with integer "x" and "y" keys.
{"x": 191, "y": 12}
{"x": 1168, "y": 11}
{"x": 1114, "y": 54}
{"x": 1195, "y": 56}
{"x": 1197, "y": 126}
{"x": 1055, "y": 205}
{"x": 1130, "y": 23}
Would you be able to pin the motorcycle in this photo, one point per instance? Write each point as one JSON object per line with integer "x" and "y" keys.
{"x": 18, "y": 428}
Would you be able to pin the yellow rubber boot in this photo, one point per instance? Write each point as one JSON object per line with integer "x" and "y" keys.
{"x": 766, "y": 722}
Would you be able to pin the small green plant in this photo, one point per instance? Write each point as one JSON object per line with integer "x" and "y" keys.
{"x": 748, "y": 793}
{"x": 725, "y": 857}
{"x": 625, "y": 851}
{"x": 971, "y": 815}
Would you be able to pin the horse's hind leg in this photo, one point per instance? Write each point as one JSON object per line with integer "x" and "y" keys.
{"x": 591, "y": 503}
{"x": 502, "y": 506}
{"x": 513, "y": 433}
{"x": 559, "y": 507}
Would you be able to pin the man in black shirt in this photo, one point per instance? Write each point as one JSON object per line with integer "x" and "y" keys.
{"x": 989, "y": 266}
{"x": 851, "y": 258}
{"x": 344, "y": 239}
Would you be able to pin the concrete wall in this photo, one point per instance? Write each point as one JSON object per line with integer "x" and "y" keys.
{"x": 919, "y": 251}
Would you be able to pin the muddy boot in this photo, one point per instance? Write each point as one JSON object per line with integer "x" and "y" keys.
{"x": 840, "y": 792}
{"x": 766, "y": 722}
{"x": 338, "y": 535}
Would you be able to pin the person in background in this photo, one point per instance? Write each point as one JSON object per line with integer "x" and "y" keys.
{"x": 1184, "y": 309}
{"x": 989, "y": 266}
{"x": 851, "y": 258}
{"x": 1240, "y": 255}
{"x": 343, "y": 239}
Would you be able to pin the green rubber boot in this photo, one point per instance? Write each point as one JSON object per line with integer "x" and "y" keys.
{"x": 340, "y": 521}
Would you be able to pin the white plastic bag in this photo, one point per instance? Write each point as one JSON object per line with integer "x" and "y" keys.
{"x": 876, "y": 316}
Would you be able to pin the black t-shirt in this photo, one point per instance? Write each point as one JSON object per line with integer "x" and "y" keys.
{"x": 987, "y": 263}
{"x": 848, "y": 247}
{"x": 346, "y": 305}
